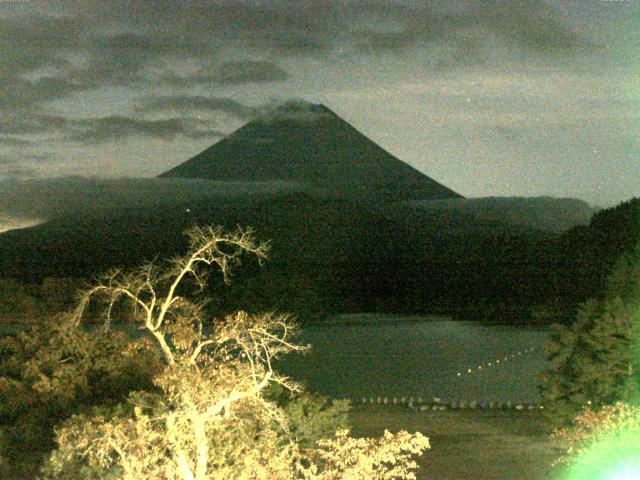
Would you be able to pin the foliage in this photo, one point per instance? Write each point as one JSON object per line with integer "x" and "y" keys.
{"x": 184, "y": 433}
{"x": 553, "y": 310}
{"x": 311, "y": 417}
{"x": 586, "y": 255}
{"x": 385, "y": 458}
{"x": 601, "y": 441}
{"x": 211, "y": 416}
{"x": 54, "y": 370}
{"x": 5, "y": 467}
{"x": 595, "y": 359}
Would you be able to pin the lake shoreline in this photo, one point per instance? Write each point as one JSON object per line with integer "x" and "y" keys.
{"x": 375, "y": 318}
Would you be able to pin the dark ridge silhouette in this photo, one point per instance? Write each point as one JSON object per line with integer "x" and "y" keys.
{"x": 589, "y": 252}
{"x": 308, "y": 143}
{"x": 548, "y": 214}
{"x": 337, "y": 253}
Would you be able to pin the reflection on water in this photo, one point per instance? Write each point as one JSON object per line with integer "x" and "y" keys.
{"x": 448, "y": 359}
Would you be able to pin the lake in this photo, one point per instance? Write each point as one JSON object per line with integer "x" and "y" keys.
{"x": 368, "y": 355}
{"x": 379, "y": 355}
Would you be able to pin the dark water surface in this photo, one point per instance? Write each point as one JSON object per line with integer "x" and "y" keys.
{"x": 367, "y": 355}
{"x": 371, "y": 356}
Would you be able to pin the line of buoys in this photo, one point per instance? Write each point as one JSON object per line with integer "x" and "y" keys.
{"x": 495, "y": 362}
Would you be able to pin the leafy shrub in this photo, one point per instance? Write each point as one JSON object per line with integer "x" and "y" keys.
{"x": 54, "y": 370}
{"x": 311, "y": 417}
{"x": 593, "y": 425}
{"x": 596, "y": 359}
{"x": 386, "y": 458}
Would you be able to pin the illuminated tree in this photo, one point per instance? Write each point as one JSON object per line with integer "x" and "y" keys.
{"x": 53, "y": 370}
{"x": 212, "y": 417}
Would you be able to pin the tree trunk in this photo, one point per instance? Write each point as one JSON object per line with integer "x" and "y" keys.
{"x": 202, "y": 447}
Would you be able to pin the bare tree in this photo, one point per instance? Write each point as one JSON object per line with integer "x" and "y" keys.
{"x": 212, "y": 418}
{"x": 211, "y": 367}
{"x": 153, "y": 291}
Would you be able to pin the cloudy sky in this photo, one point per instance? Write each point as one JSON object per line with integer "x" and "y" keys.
{"x": 493, "y": 97}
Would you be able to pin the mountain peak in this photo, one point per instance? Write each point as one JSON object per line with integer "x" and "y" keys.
{"x": 307, "y": 143}
{"x": 296, "y": 111}
{"x": 300, "y": 105}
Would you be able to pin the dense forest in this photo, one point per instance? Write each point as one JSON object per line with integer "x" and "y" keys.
{"x": 331, "y": 255}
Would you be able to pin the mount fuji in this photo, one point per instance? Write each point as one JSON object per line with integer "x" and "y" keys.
{"x": 309, "y": 144}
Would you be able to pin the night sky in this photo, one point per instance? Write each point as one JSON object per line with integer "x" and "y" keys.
{"x": 505, "y": 97}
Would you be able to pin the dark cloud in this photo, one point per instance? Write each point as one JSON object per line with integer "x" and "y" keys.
{"x": 37, "y": 46}
{"x": 118, "y": 59}
{"x": 102, "y": 129}
{"x": 241, "y": 72}
{"x": 36, "y": 157}
{"x": 51, "y": 44}
{"x": 21, "y": 158}
{"x": 188, "y": 103}
{"x": 19, "y": 172}
{"x": 299, "y": 44}
{"x": 7, "y": 160}
{"x": 118, "y": 40}
{"x": 531, "y": 26}
{"x": 229, "y": 73}
{"x": 21, "y": 124}
{"x": 21, "y": 94}
{"x": 536, "y": 26}
{"x": 462, "y": 51}
{"x": 387, "y": 41}
{"x": 98, "y": 130}
{"x": 14, "y": 141}
{"x": 308, "y": 25}
{"x": 38, "y": 42}
{"x": 422, "y": 27}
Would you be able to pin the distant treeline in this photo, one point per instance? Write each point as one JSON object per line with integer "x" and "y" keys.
{"x": 514, "y": 276}
{"x": 496, "y": 276}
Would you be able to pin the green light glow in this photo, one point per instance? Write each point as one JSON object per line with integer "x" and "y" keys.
{"x": 614, "y": 457}
{"x": 627, "y": 473}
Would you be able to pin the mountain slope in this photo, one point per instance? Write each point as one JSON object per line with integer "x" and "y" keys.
{"x": 308, "y": 143}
